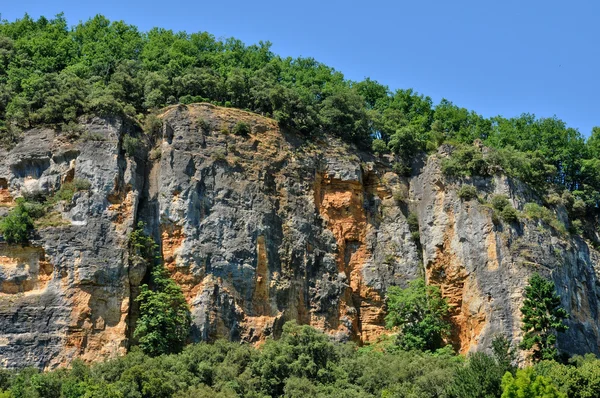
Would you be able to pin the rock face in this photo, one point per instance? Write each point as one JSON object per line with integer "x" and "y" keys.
{"x": 259, "y": 229}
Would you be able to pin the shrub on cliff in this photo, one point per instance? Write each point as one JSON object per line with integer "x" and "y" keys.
{"x": 533, "y": 211}
{"x": 467, "y": 192}
{"x": 131, "y": 145}
{"x": 418, "y": 313}
{"x": 465, "y": 160}
{"x": 242, "y": 129}
{"x": 502, "y": 204}
{"x": 379, "y": 146}
{"x": 17, "y": 224}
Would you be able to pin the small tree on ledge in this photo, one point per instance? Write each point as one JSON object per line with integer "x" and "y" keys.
{"x": 542, "y": 318}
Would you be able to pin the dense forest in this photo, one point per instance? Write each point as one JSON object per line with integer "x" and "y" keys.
{"x": 52, "y": 74}
{"x": 305, "y": 363}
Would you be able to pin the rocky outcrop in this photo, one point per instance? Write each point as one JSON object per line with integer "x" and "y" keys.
{"x": 67, "y": 294}
{"x": 482, "y": 267}
{"x": 259, "y": 229}
{"x": 267, "y": 228}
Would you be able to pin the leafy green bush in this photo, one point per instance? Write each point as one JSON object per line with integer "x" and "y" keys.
{"x": 87, "y": 136}
{"x": 203, "y": 125}
{"x": 401, "y": 168}
{"x": 480, "y": 377}
{"x": 534, "y": 211}
{"x": 419, "y": 313}
{"x": 465, "y": 160}
{"x": 413, "y": 226}
{"x": 302, "y": 352}
{"x": 577, "y": 227}
{"x": 242, "y": 129}
{"x": 554, "y": 199}
{"x": 577, "y": 379}
{"x": 499, "y": 202}
{"x": 164, "y": 323}
{"x": 467, "y": 192}
{"x": 17, "y": 224}
{"x": 152, "y": 124}
{"x": 529, "y": 167}
{"x": 579, "y": 208}
{"x": 525, "y": 384}
{"x": 509, "y": 214}
{"x": 502, "y": 209}
{"x": 379, "y": 146}
{"x": 131, "y": 145}
{"x": 68, "y": 190}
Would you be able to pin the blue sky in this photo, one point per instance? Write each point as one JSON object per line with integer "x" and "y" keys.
{"x": 495, "y": 57}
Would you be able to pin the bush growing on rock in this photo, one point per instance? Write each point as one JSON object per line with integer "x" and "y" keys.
{"x": 17, "y": 224}
{"x": 242, "y": 129}
{"x": 533, "y": 211}
{"x": 379, "y": 146}
{"x": 509, "y": 214}
{"x": 465, "y": 160}
{"x": 499, "y": 202}
{"x": 413, "y": 225}
{"x": 467, "y": 192}
{"x": 152, "y": 124}
{"x": 131, "y": 145}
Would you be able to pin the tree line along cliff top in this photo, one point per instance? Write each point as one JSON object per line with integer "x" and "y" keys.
{"x": 51, "y": 74}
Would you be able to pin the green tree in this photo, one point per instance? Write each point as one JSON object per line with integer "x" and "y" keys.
{"x": 418, "y": 312}
{"x": 481, "y": 377}
{"x": 343, "y": 113}
{"x": 580, "y": 378}
{"x": 527, "y": 385}
{"x": 17, "y": 224}
{"x": 302, "y": 352}
{"x": 504, "y": 353}
{"x": 164, "y": 322}
{"x": 542, "y": 318}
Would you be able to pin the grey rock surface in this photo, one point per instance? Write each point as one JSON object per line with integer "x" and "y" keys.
{"x": 258, "y": 230}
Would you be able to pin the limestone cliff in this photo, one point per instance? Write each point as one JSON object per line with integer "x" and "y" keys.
{"x": 259, "y": 229}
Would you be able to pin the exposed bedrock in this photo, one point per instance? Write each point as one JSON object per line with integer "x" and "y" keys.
{"x": 258, "y": 230}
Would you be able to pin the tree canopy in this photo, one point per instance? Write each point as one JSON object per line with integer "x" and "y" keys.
{"x": 418, "y": 312}
{"x": 51, "y": 73}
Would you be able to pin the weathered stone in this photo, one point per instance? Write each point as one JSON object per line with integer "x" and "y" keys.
{"x": 258, "y": 230}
